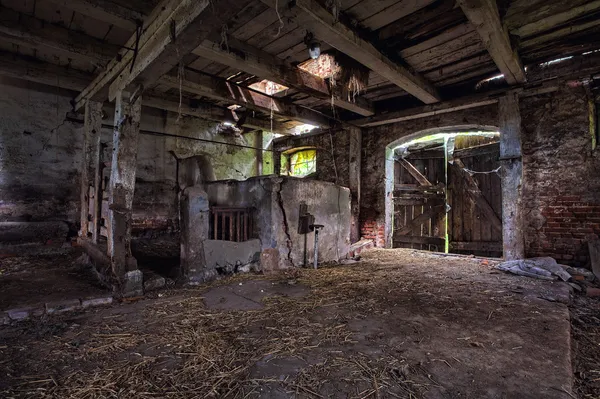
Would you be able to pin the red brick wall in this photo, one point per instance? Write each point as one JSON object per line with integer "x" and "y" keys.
{"x": 568, "y": 222}
{"x": 561, "y": 191}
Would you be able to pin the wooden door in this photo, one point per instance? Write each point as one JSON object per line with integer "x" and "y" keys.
{"x": 419, "y": 204}
{"x": 475, "y": 199}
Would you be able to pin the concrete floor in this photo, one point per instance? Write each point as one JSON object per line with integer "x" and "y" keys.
{"x": 400, "y": 323}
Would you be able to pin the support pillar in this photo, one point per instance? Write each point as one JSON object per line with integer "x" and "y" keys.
{"x": 122, "y": 183}
{"x": 512, "y": 177}
{"x": 259, "y": 152}
{"x": 90, "y": 161}
{"x": 354, "y": 183}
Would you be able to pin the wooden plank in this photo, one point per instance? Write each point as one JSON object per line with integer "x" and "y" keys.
{"x": 260, "y": 63}
{"x": 223, "y": 90}
{"x": 190, "y": 24}
{"x": 440, "y": 242}
{"x": 414, "y": 172}
{"x": 394, "y": 12}
{"x": 474, "y": 192}
{"x": 24, "y": 30}
{"x": 105, "y": 11}
{"x": 555, "y": 20}
{"x": 483, "y": 246}
{"x": 484, "y": 16}
{"x": 323, "y": 24}
{"x": 419, "y": 220}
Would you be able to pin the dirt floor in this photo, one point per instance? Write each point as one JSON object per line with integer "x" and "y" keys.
{"x": 34, "y": 280}
{"x": 398, "y": 324}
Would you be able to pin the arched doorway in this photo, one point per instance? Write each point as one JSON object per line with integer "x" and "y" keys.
{"x": 444, "y": 191}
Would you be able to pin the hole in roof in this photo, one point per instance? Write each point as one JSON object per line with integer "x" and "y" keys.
{"x": 268, "y": 87}
{"x": 324, "y": 67}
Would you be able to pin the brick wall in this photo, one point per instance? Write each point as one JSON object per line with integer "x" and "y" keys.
{"x": 561, "y": 194}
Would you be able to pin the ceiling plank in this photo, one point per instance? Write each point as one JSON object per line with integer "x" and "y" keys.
{"x": 224, "y": 90}
{"x": 24, "y": 30}
{"x": 264, "y": 65}
{"x": 191, "y": 22}
{"x": 484, "y": 16}
{"x": 105, "y": 11}
{"x": 321, "y": 22}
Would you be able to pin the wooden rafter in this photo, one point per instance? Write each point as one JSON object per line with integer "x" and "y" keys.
{"x": 190, "y": 23}
{"x": 310, "y": 14}
{"x": 484, "y": 16}
{"x": 17, "y": 67}
{"x": 264, "y": 65}
{"x": 224, "y": 90}
{"x": 477, "y": 196}
{"x": 104, "y": 10}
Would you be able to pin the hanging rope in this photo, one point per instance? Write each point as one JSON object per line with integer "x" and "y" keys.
{"x": 224, "y": 43}
{"x": 281, "y": 24}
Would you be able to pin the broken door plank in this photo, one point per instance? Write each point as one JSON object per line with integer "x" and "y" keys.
{"x": 484, "y": 246}
{"x": 419, "y": 240}
{"x": 414, "y": 172}
{"x": 477, "y": 196}
{"x": 419, "y": 220}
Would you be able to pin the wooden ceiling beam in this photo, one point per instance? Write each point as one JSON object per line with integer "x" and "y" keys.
{"x": 217, "y": 114}
{"x": 25, "y": 30}
{"x": 224, "y": 90}
{"x": 266, "y": 66}
{"x": 105, "y": 11}
{"x": 190, "y": 23}
{"x": 19, "y": 67}
{"x": 317, "y": 19}
{"x": 484, "y": 16}
{"x": 98, "y": 88}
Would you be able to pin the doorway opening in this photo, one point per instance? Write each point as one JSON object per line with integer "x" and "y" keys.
{"x": 447, "y": 194}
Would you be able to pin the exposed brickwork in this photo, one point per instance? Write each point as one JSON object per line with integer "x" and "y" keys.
{"x": 561, "y": 193}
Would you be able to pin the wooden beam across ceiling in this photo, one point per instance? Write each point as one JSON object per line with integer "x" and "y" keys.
{"x": 104, "y": 10}
{"x": 224, "y": 90}
{"x": 317, "y": 19}
{"x": 19, "y": 67}
{"x": 266, "y": 66}
{"x": 484, "y": 16}
{"x": 190, "y": 23}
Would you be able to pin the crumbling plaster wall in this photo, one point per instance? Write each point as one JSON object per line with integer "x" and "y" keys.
{"x": 375, "y": 152}
{"x": 561, "y": 194}
{"x": 40, "y": 157}
{"x": 276, "y": 201}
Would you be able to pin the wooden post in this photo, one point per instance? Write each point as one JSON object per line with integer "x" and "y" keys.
{"x": 354, "y": 181}
{"x": 89, "y": 165}
{"x": 259, "y": 152}
{"x": 122, "y": 184}
{"x": 512, "y": 176}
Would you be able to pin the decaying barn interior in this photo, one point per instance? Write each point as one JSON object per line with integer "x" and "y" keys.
{"x": 300, "y": 198}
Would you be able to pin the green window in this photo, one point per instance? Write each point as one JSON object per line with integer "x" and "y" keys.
{"x": 300, "y": 163}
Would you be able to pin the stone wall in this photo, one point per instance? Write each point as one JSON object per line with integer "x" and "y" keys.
{"x": 40, "y": 157}
{"x": 561, "y": 194}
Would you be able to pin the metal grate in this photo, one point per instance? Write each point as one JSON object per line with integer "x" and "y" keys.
{"x": 231, "y": 224}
